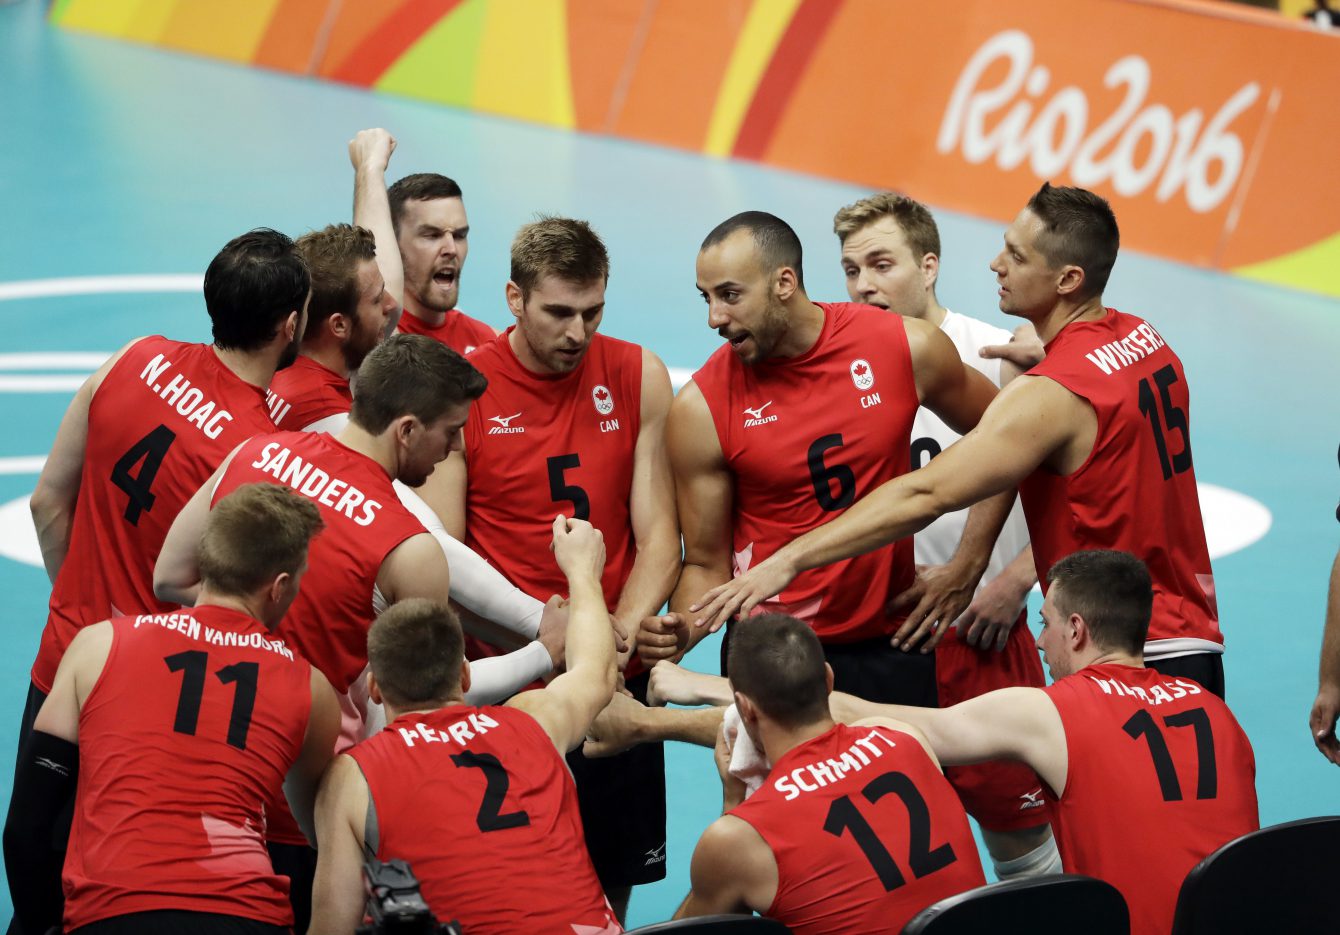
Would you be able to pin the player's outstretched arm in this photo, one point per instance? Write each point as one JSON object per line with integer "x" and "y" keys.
{"x": 566, "y": 708}
{"x": 1327, "y": 706}
{"x": 651, "y": 509}
{"x": 341, "y": 811}
{"x": 370, "y": 153}
{"x": 318, "y": 745}
{"x": 1030, "y": 421}
{"x": 177, "y": 570}
{"x": 626, "y": 723}
{"x": 704, "y": 494}
{"x": 1024, "y": 350}
{"x": 53, "y": 500}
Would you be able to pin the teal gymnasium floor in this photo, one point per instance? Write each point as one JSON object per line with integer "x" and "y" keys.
{"x": 120, "y": 160}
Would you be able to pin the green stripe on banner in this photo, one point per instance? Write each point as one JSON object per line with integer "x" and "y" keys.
{"x": 57, "y": 11}
{"x": 442, "y": 65}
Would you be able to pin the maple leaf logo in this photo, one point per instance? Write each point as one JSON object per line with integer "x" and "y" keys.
{"x": 601, "y": 394}
{"x": 603, "y": 399}
{"x": 862, "y": 375}
{"x": 860, "y": 370}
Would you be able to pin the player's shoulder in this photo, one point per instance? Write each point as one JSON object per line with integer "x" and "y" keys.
{"x": 976, "y": 332}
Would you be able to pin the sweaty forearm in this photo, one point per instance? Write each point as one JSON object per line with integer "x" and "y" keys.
{"x": 589, "y": 647}
{"x": 698, "y": 726}
{"x": 890, "y": 512}
{"x": 982, "y": 528}
{"x": 52, "y": 524}
{"x": 695, "y": 580}
{"x": 653, "y": 577}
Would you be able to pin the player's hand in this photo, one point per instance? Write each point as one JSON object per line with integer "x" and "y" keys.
{"x": 579, "y": 548}
{"x": 371, "y": 149}
{"x": 553, "y": 633}
{"x": 663, "y": 637}
{"x": 732, "y": 789}
{"x": 741, "y": 595}
{"x": 625, "y": 641}
{"x": 1322, "y": 722}
{"x": 669, "y": 683}
{"x": 936, "y": 598}
{"x": 987, "y": 622}
{"x": 1025, "y": 349}
{"x": 615, "y": 729}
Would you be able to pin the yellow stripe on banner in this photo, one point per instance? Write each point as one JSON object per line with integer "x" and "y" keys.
{"x": 230, "y": 31}
{"x": 1315, "y": 268}
{"x": 440, "y": 66}
{"x": 762, "y": 31}
{"x": 523, "y": 62}
{"x": 141, "y": 20}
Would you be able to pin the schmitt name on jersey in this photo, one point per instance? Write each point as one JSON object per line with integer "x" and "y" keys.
{"x": 315, "y": 484}
{"x": 188, "y": 400}
{"x": 810, "y": 777}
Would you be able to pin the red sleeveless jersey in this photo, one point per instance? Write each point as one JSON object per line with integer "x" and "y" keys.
{"x": 537, "y": 445}
{"x": 805, "y": 437}
{"x": 1137, "y": 490}
{"x": 163, "y": 419}
{"x": 1160, "y": 775}
{"x": 866, "y": 831}
{"x": 307, "y": 392}
{"x": 458, "y": 330}
{"x": 482, "y": 806}
{"x": 328, "y": 622}
{"x": 195, "y": 720}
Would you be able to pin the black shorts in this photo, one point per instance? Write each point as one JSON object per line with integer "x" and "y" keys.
{"x": 622, "y": 799}
{"x": 175, "y": 922}
{"x": 875, "y": 671}
{"x": 1205, "y": 668}
{"x": 298, "y": 863}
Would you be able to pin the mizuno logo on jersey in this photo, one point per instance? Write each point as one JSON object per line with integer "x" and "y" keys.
{"x": 655, "y": 856}
{"x": 505, "y": 426}
{"x": 1032, "y": 800}
{"x": 756, "y": 417}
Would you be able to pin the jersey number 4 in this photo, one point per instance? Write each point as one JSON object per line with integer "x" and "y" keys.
{"x": 921, "y": 859}
{"x": 194, "y": 663}
{"x": 150, "y": 449}
{"x": 490, "y": 817}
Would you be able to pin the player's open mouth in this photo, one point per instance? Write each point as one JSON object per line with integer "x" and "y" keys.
{"x": 445, "y": 277}
{"x": 738, "y": 339}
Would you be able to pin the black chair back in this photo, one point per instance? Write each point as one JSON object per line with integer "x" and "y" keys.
{"x": 1276, "y": 880}
{"x": 715, "y": 925}
{"x": 1060, "y": 904}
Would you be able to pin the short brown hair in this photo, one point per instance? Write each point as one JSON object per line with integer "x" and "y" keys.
{"x": 422, "y": 186}
{"x": 409, "y": 374}
{"x": 1111, "y": 590}
{"x": 415, "y": 649}
{"x": 333, "y": 255}
{"x": 563, "y": 247}
{"x": 913, "y": 218}
{"x": 1079, "y": 229}
{"x": 252, "y": 535}
{"x": 777, "y": 662}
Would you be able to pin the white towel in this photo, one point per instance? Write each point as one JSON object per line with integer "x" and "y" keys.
{"x": 747, "y": 762}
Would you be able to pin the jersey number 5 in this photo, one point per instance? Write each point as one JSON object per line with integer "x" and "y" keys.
{"x": 151, "y": 448}
{"x": 844, "y": 816}
{"x": 560, "y": 489}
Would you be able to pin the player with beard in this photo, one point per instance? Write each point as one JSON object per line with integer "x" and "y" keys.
{"x": 808, "y": 406}
{"x": 146, "y": 430}
{"x": 574, "y": 421}
{"x": 423, "y": 243}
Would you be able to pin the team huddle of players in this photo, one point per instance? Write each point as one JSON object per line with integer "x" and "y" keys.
{"x": 306, "y": 581}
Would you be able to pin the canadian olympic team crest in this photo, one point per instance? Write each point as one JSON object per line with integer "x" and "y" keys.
{"x": 861, "y": 374}
{"x": 603, "y": 399}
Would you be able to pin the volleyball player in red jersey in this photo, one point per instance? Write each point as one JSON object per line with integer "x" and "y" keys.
{"x": 808, "y": 406}
{"x": 823, "y": 845}
{"x": 477, "y": 800}
{"x": 1147, "y": 773}
{"x": 422, "y": 240}
{"x": 574, "y": 421}
{"x": 178, "y": 727}
{"x": 1097, "y": 438}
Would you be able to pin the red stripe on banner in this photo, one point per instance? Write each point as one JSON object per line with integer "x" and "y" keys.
{"x": 382, "y": 47}
{"x": 803, "y": 35}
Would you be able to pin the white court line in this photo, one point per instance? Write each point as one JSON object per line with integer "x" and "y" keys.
{"x": 31, "y": 464}
{"x": 99, "y": 285}
{"x": 54, "y": 360}
{"x": 43, "y": 383}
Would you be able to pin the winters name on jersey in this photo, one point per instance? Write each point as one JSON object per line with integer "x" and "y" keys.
{"x": 459, "y": 731}
{"x": 187, "y": 625}
{"x": 810, "y": 777}
{"x": 1136, "y": 346}
{"x": 1170, "y": 690}
{"x": 189, "y": 401}
{"x": 315, "y": 484}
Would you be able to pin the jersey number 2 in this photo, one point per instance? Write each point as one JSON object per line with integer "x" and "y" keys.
{"x": 151, "y": 448}
{"x": 194, "y": 663}
{"x": 844, "y": 816}
{"x": 490, "y": 817}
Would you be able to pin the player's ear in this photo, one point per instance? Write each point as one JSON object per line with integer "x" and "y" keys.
{"x": 748, "y": 713}
{"x": 930, "y": 269}
{"x": 514, "y": 298}
{"x": 828, "y": 678}
{"x": 1069, "y": 280}
{"x": 786, "y": 283}
{"x": 374, "y": 690}
{"x": 291, "y": 325}
{"x": 339, "y": 325}
{"x": 279, "y": 586}
{"x": 465, "y": 676}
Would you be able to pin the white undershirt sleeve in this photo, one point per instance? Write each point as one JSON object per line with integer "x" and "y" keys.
{"x": 499, "y": 677}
